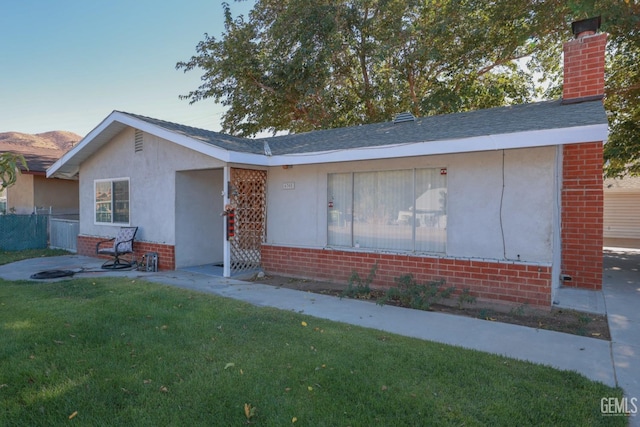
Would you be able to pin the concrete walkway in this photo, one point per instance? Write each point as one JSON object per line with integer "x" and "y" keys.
{"x": 621, "y": 288}
{"x": 613, "y": 363}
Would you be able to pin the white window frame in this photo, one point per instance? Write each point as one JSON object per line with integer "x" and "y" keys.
{"x": 95, "y": 201}
{"x": 413, "y": 220}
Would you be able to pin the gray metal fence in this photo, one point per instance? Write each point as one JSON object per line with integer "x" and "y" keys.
{"x": 20, "y": 232}
{"x": 63, "y": 234}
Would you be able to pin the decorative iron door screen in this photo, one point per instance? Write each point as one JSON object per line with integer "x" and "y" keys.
{"x": 247, "y": 194}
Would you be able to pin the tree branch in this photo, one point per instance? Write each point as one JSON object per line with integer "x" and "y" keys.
{"x": 503, "y": 61}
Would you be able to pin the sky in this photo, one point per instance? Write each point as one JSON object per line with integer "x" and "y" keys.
{"x": 67, "y": 64}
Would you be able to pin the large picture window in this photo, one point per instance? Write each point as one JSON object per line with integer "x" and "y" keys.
{"x": 112, "y": 201}
{"x": 403, "y": 210}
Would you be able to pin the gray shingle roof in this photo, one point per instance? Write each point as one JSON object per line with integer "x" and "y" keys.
{"x": 38, "y": 159}
{"x": 222, "y": 140}
{"x": 492, "y": 121}
{"x": 518, "y": 118}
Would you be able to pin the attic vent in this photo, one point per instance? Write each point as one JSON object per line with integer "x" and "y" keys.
{"x": 138, "y": 141}
{"x": 403, "y": 117}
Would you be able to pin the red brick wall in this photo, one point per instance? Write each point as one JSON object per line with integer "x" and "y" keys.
{"x": 166, "y": 253}
{"x": 582, "y": 215}
{"x": 488, "y": 280}
{"x": 584, "y": 66}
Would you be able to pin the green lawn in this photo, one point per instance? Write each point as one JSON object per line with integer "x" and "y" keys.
{"x": 122, "y": 352}
{"x": 7, "y": 257}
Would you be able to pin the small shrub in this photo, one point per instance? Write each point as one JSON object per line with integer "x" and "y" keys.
{"x": 465, "y": 297}
{"x": 485, "y": 314}
{"x": 358, "y": 287}
{"x": 519, "y": 310}
{"x": 584, "y": 319}
{"x": 410, "y": 293}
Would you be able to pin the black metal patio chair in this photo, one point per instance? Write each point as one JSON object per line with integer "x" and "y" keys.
{"x": 120, "y": 245}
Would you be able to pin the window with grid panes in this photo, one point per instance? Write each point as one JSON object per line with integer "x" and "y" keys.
{"x": 403, "y": 210}
{"x": 111, "y": 198}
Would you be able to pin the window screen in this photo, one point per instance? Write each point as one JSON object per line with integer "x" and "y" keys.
{"x": 396, "y": 210}
{"x": 112, "y": 201}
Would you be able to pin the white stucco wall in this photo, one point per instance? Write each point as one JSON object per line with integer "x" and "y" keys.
{"x": 494, "y": 211}
{"x": 483, "y": 220}
{"x": 199, "y": 225}
{"x": 152, "y": 185}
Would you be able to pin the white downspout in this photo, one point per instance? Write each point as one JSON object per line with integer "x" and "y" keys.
{"x": 556, "y": 262}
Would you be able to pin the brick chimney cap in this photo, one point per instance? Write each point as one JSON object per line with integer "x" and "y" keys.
{"x": 589, "y": 26}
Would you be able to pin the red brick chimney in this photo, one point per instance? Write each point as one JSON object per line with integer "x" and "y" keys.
{"x": 584, "y": 62}
{"x": 582, "y": 195}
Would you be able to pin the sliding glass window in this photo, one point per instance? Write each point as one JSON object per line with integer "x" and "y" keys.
{"x": 403, "y": 210}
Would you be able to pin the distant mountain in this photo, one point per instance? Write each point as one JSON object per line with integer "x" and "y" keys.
{"x": 40, "y": 150}
{"x": 54, "y": 140}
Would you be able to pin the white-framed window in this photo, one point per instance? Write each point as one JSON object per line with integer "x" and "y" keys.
{"x": 404, "y": 210}
{"x": 111, "y": 197}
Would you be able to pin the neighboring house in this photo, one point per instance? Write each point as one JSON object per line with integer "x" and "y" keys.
{"x": 505, "y": 202}
{"x": 33, "y": 191}
{"x": 622, "y": 212}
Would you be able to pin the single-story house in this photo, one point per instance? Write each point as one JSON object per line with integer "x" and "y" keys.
{"x": 506, "y": 202}
{"x": 622, "y": 212}
{"x": 32, "y": 191}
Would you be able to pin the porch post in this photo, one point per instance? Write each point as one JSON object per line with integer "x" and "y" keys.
{"x": 226, "y": 248}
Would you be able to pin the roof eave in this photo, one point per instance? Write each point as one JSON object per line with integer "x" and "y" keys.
{"x": 528, "y": 139}
{"x": 64, "y": 167}
{"x": 68, "y": 165}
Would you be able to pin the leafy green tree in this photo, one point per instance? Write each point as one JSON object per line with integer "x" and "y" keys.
{"x": 622, "y": 151}
{"x": 10, "y": 168}
{"x": 621, "y": 19}
{"x": 295, "y": 65}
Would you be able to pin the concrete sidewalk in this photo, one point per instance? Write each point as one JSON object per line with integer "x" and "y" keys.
{"x": 621, "y": 288}
{"x": 613, "y": 363}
